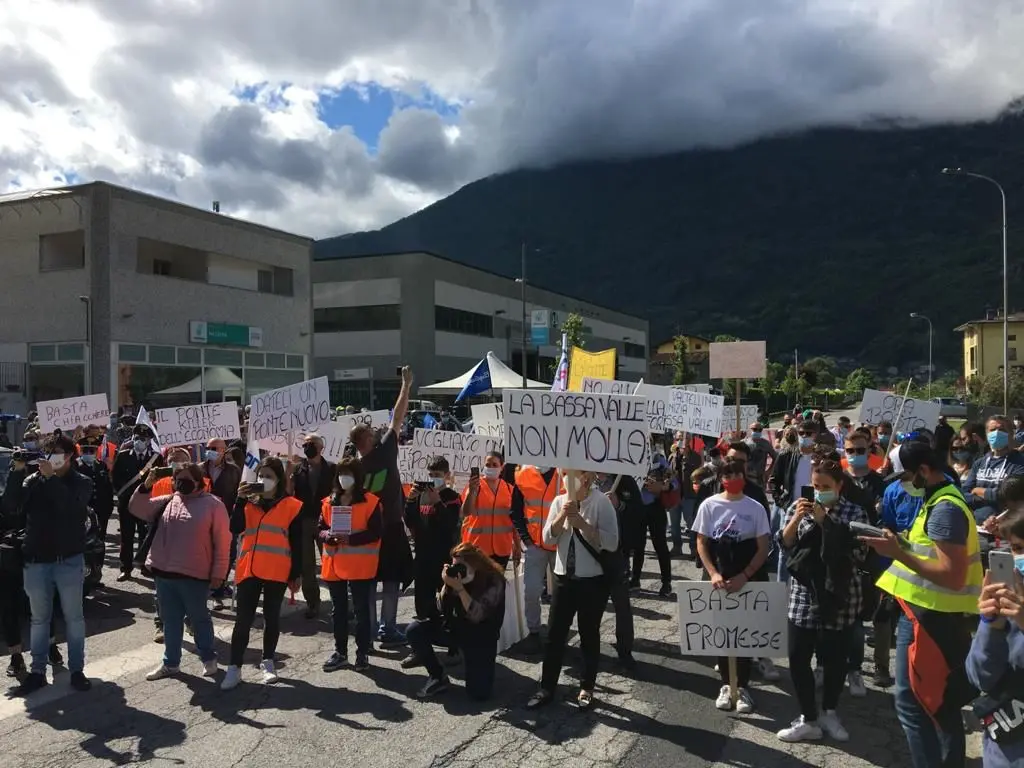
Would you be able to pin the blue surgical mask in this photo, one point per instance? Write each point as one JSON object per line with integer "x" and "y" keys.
{"x": 211, "y": 455}
{"x": 31, "y": 445}
{"x": 438, "y": 482}
{"x": 88, "y": 459}
{"x": 806, "y": 442}
{"x": 826, "y": 498}
{"x": 857, "y": 460}
{"x": 1018, "y": 563}
{"x": 997, "y": 439}
{"x": 883, "y": 440}
{"x": 756, "y": 435}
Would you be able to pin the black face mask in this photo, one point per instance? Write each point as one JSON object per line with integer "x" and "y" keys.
{"x": 185, "y": 485}
{"x": 311, "y": 451}
{"x": 919, "y": 482}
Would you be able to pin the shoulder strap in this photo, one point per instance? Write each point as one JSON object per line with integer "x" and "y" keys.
{"x": 587, "y": 546}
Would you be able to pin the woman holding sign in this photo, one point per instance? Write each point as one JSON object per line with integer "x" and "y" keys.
{"x": 269, "y": 559}
{"x": 351, "y": 525}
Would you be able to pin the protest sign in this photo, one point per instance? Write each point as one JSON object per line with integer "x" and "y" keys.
{"x": 571, "y": 430}
{"x": 748, "y": 623}
{"x": 704, "y": 389}
{"x": 748, "y": 415}
{"x": 737, "y": 359}
{"x": 71, "y": 412}
{"x": 191, "y": 424}
{"x": 487, "y": 419}
{"x": 877, "y": 407}
{"x": 597, "y": 365}
{"x": 334, "y": 433}
{"x": 462, "y": 451}
{"x": 669, "y": 409}
{"x": 296, "y": 408}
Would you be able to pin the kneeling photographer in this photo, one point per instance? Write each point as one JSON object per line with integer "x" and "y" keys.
{"x": 472, "y": 606}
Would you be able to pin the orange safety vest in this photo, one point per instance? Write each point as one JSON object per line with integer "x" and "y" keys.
{"x": 344, "y": 562}
{"x": 490, "y": 526}
{"x": 264, "y": 551}
{"x": 537, "y": 498}
{"x": 165, "y": 487}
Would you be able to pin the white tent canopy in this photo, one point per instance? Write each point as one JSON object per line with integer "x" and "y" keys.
{"x": 502, "y": 377}
{"x": 217, "y": 380}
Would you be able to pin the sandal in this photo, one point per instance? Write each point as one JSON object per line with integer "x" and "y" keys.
{"x": 540, "y": 699}
{"x": 585, "y": 700}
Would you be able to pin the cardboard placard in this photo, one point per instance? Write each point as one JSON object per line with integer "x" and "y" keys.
{"x": 70, "y": 412}
{"x": 750, "y": 623}
{"x": 296, "y": 408}
{"x": 488, "y": 419}
{"x": 597, "y": 365}
{"x": 335, "y": 435}
{"x": 462, "y": 451}
{"x": 669, "y": 409}
{"x": 877, "y": 407}
{"x": 748, "y": 415}
{"x": 341, "y": 520}
{"x": 572, "y": 430}
{"x": 738, "y": 359}
{"x": 192, "y": 424}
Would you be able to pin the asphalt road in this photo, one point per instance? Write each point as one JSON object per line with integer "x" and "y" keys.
{"x": 663, "y": 715}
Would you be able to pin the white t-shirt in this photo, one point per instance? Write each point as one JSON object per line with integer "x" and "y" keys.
{"x": 803, "y": 475}
{"x": 719, "y": 518}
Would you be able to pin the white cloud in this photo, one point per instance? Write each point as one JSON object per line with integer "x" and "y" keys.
{"x": 147, "y": 93}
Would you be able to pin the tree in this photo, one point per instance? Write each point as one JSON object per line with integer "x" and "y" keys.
{"x": 860, "y": 380}
{"x": 824, "y": 371}
{"x": 680, "y": 373}
{"x": 774, "y": 375}
{"x": 572, "y": 327}
{"x": 725, "y": 337}
{"x": 794, "y": 387}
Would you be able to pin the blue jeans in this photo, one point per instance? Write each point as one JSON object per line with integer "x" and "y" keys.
{"x": 390, "y": 591}
{"x": 777, "y": 557}
{"x": 41, "y": 580}
{"x": 932, "y": 744}
{"x": 180, "y": 598}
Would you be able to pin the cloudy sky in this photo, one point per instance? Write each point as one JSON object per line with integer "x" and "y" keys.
{"x": 329, "y": 116}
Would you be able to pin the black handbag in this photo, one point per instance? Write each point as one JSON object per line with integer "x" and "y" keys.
{"x": 11, "y": 558}
{"x": 610, "y": 562}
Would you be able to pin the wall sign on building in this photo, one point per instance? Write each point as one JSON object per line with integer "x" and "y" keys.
{"x": 224, "y": 334}
{"x": 540, "y": 325}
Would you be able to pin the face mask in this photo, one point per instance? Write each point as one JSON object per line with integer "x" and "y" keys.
{"x": 57, "y": 460}
{"x": 756, "y": 435}
{"x": 139, "y": 446}
{"x": 963, "y": 457}
{"x": 910, "y": 489}
{"x": 857, "y": 461}
{"x": 176, "y": 465}
{"x": 185, "y": 485}
{"x": 491, "y": 473}
{"x": 310, "y": 450}
{"x": 88, "y": 459}
{"x": 31, "y": 445}
{"x": 269, "y": 484}
{"x": 1018, "y": 563}
{"x": 806, "y": 442}
{"x": 346, "y": 482}
{"x": 997, "y": 439}
{"x": 826, "y": 498}
{"x": 883, "y": 440}
{"x": 211, "y": 455}
{"x": 734, "y": 485}
{"x": 542, "y": 470}
{"x": 438, "y": 482}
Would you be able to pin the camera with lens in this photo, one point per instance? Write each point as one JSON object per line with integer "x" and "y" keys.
{"x": 29, "y": 457}
{"x": 456, "y": 571}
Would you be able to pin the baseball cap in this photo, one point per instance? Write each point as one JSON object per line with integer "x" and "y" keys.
{"x": 910, "y": 457}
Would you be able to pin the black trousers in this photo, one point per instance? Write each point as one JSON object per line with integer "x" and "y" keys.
{"x": 130, "y": 526}
{"x": 584, "y": 600}
{"x": 427, "y": 583}
{"x": 619, "y": 595}
{"x": 247, "y": 598}
{"x": 655, "y": 521}
{"x": 479, "y": 657}
{"x": 364, "y": 591}
{"x": 831, "y": 648}
{"x": 743, "y": 667}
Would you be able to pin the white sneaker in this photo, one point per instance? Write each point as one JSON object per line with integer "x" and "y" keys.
{"x": 856, "y": 682}
{"x": 768, "y": 670}
{"x": 800, "y": 730}
{"x": 829, "y": 723}
{"x": 724, "y": 700}
{"x": 210, "y": 668}
{"x": 161, "y": 672}
{"x": 269, "y": 674}
{"x": 232, "y": 677}
{"x": 744, "y": 702}
{"x": 819, "y": 676}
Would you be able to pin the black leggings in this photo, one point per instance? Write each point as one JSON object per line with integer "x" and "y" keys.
{"x": 584, "y": 599}
{"x": 247, "y": 597}
{"x": 831, "y": 647}
{"x": 656, "y": 521}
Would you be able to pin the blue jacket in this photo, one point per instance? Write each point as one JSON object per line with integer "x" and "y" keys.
{"x": 993, "y": 653}
{"x": 988, "y": 474}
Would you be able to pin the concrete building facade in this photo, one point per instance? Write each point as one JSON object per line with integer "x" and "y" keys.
{"x": 150, "y": 301}
{"x": 375, "y": 313}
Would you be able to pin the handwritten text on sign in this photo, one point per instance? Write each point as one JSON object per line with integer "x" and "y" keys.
{"x": 885, "y": 406}
{"x": 748, "y": 623}
{"x": 334, "y": 433}
{"x": 604, "y": 433}
{"x": 72, "y": 412}
{"x": 487, "y": 419}
{"x": 748, "y": 415}
{"x": 192, "y": 424}
{"x": 462, "y": 451}
{"x": 295, "y": 408}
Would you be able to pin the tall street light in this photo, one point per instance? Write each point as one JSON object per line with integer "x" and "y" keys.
{"x": 1006, "y": 287}
{"x": 522, "y": 281}
{"x": 931, "y": 335}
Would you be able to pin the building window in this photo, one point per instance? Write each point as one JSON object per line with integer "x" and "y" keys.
{"x": 278, "y": 280}
{"x": 42, "y": 353}
{"x": 629, "y": 349}
{"x": 62, "y": 250}
{"x": 255, "y": 360}
{"x": 162, "y": 355}
{"x": 1011, "y": 337}
{"x": 131, "y": 353}
{"x": 71, "y": 352}
{"x": 275, "y": 360}
{"x": 1012, "y": 353}
{"x": 189, "y": 356}
{"x": 379, "y": 317}
{"x": 226, "y": 357}
{"x": 296, "y": 361}
{"x": 462, "y": 321}
{"x": 162, "y": 267}
{"x": 265, "y": 281}
{"x": 972, "y": 355}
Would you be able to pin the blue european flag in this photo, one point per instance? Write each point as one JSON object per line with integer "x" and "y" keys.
{"x": 479, "y": 381}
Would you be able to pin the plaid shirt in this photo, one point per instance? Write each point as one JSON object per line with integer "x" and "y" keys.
{"x": 803, "y": 607}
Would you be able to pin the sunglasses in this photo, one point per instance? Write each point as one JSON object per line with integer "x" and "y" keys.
{"x": 858, "y": 451}
{"x": 808, "y": 433}
{"x": 826, "y": 464}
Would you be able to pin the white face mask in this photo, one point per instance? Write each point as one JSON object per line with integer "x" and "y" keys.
{"x": 491, "y": 473}
{"x": 346, "y": 482}
{"x": 542, "y": 470}
{"x": 269, "y": 484}
{"x": 139, "y": 446}
{"x": 57, "y": 460}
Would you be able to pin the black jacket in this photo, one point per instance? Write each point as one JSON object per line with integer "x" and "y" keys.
{"x": 102, "y": 501}
{"x": 303, "y": 490}
{"x": 435, "y": 529}
{"x": 782, "y": 477}
{"x": 11, "y": 518}
{"x": 127, "y": 465}
{"x": 56, "y": 510}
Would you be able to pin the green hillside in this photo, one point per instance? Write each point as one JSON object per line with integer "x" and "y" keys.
{"x": 824, "y": 241}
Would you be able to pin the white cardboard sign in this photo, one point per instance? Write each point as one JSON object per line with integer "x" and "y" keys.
{"x": 488, "y": 419}
{"x": 669, "y": 409}
{"x": 577, "y": 430}
{"x": 296, "y": 408}
{"x": 749, "y": 623}
{"x": 71, "y": 412}
{"x": 334, "y": 433}
{"x": 738, "y": 359}
{"x": 191, "y": 424}
{"x": 463, "y": 452}
{"x": 748, "y": 415}
{"x": 885, "y": 406}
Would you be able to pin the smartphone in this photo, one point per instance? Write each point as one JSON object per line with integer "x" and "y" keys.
{"x": 1000, "y": 565}
{"x": 424, "y": 485}
{"x": 398, "y": 371}
{"x": 807, "y": 492}
{"x": 159, "y": 472}
{"x": 863, "y": 529}
{"x": 474, "y": 471}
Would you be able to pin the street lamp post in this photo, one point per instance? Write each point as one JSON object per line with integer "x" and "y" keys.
{"x": 1006, "y": 286}
{"x": 522, "y": 282}
{"x": 88, "y": 343}
{"x": 931, "y": 336}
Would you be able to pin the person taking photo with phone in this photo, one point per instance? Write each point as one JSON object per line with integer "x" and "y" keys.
{"x": 268, "y": 520}
{"x": 487, "y": 510}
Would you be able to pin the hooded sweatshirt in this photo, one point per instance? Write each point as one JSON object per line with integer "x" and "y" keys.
{"x": 988, "y": 473}
{"x": 995, "y": 652}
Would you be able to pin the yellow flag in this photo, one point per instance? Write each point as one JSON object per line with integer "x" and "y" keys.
{"x": 596, "y": 365}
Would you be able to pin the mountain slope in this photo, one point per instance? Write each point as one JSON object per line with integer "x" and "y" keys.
{"x": 824, "y": 241}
